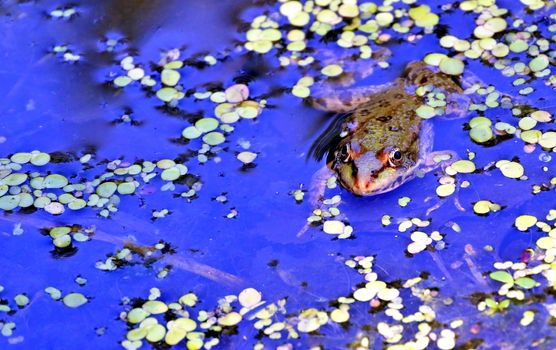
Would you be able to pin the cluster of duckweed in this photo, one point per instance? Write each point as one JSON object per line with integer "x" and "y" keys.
{"x": 435, "y": 102}
{"x": 21, "y": 301}
{"x": 72, "y": 299}
{"x": 134, "y": 73}
{"x": 481, "y": 129}
{"x": 404, "y": 201}
{"x": 484, "y": 207}
{"x": 65, "y": 13}
{"x": 111, "y": 43}
{"x": 24, "y": 184}
{"x": 64, "y": 236}
{"x": 329, "y": 215}
{"x": 420, "y": 240}
{"x": 232, "y": 104}
{"x": 532, "y": 136}
{"x": 183, "y": 322}
{"x": 529, "y": 127}
{"x": 295, "y": 27}
{"x": 511, "y": 169}
{"x": 510, "y": 43}
{"x": 447, "y": 183}
{"x": 166, "y": 80}
{"x": 302, "y": 88}
{"x": 297, "y": 30}
{"x": 133, "y": 254}
{"x": 298, "y": 194}
{"x": 445, "y": 64}
{"x": 389, "y": 299}
{"x": 518, "y": 280}
{"x": 66, "y": 54}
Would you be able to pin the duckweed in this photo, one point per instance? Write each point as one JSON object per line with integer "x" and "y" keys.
{"x": 74, "y": 300}
{"x": 332, "y": 70}
{"x": 524, "y": 222}
{"x": 247, "y": 157}
{"x": 451, "y": 66}
{"x": 445, "y": 190}
{"x": 512, "y": 170}
{"x": 463, "y": 166}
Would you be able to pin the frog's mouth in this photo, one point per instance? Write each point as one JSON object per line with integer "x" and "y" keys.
{"x": 385, "y": 180}
{"x": 370, "y": 175}
{"x": 365, "y": 185}
{"x": 371, "y": 187}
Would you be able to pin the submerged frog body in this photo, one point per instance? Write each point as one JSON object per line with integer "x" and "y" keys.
{"x": 378, "y": 142}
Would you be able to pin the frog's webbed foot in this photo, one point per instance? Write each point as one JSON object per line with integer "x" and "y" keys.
{"x": 442, "y": 159}
{"x": 457, "y": 106}
{"x": 438, "y": 159}
{"x": 459, "y": 100}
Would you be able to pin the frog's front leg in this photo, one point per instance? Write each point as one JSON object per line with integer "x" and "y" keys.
{"x": 318, "y": 186}
{"x": 316, "y": 192}
{"x": 441, "y": 159}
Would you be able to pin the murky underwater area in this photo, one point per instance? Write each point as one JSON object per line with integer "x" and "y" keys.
{"x": 155, "y": 176}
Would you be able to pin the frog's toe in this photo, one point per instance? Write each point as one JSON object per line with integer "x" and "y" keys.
{"x": 315, "y": 199}
{"x": 440, "y": 159}
{"x": 457, "y": 106}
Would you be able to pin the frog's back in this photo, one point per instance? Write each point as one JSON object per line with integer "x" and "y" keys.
{"x": 388, "y": 118}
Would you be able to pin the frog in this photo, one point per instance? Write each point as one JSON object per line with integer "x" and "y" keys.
{"x": 377, "y": 141}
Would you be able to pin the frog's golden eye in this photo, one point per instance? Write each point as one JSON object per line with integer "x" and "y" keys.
{"x": 344, "y": 153}
{"x": 395, "y": 157}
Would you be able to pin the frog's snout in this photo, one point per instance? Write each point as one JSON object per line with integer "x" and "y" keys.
{"x": 364, "y": 186}
{"x": 368, "y": 170}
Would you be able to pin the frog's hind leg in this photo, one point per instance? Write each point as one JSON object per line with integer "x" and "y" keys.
{"x": 338, "y": 94}
{"x": 354, "y": 68}
{"x": 418, "y": 74}
{"x": 343, "y": 100}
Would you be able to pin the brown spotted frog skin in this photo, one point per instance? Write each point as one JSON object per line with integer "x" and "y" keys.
{"x": 378, "y": 142}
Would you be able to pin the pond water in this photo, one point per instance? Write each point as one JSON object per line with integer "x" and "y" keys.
{"x": 154, "y": 178}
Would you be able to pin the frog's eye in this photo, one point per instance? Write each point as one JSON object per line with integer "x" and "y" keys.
{"x": 344, "y": 154}
{"x": 394, "y": 157}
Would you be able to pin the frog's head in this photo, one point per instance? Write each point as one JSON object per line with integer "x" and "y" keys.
{"x": 367, "y": 171}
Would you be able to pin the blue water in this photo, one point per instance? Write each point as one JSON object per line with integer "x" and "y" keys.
{"x": 54, "y": 106}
